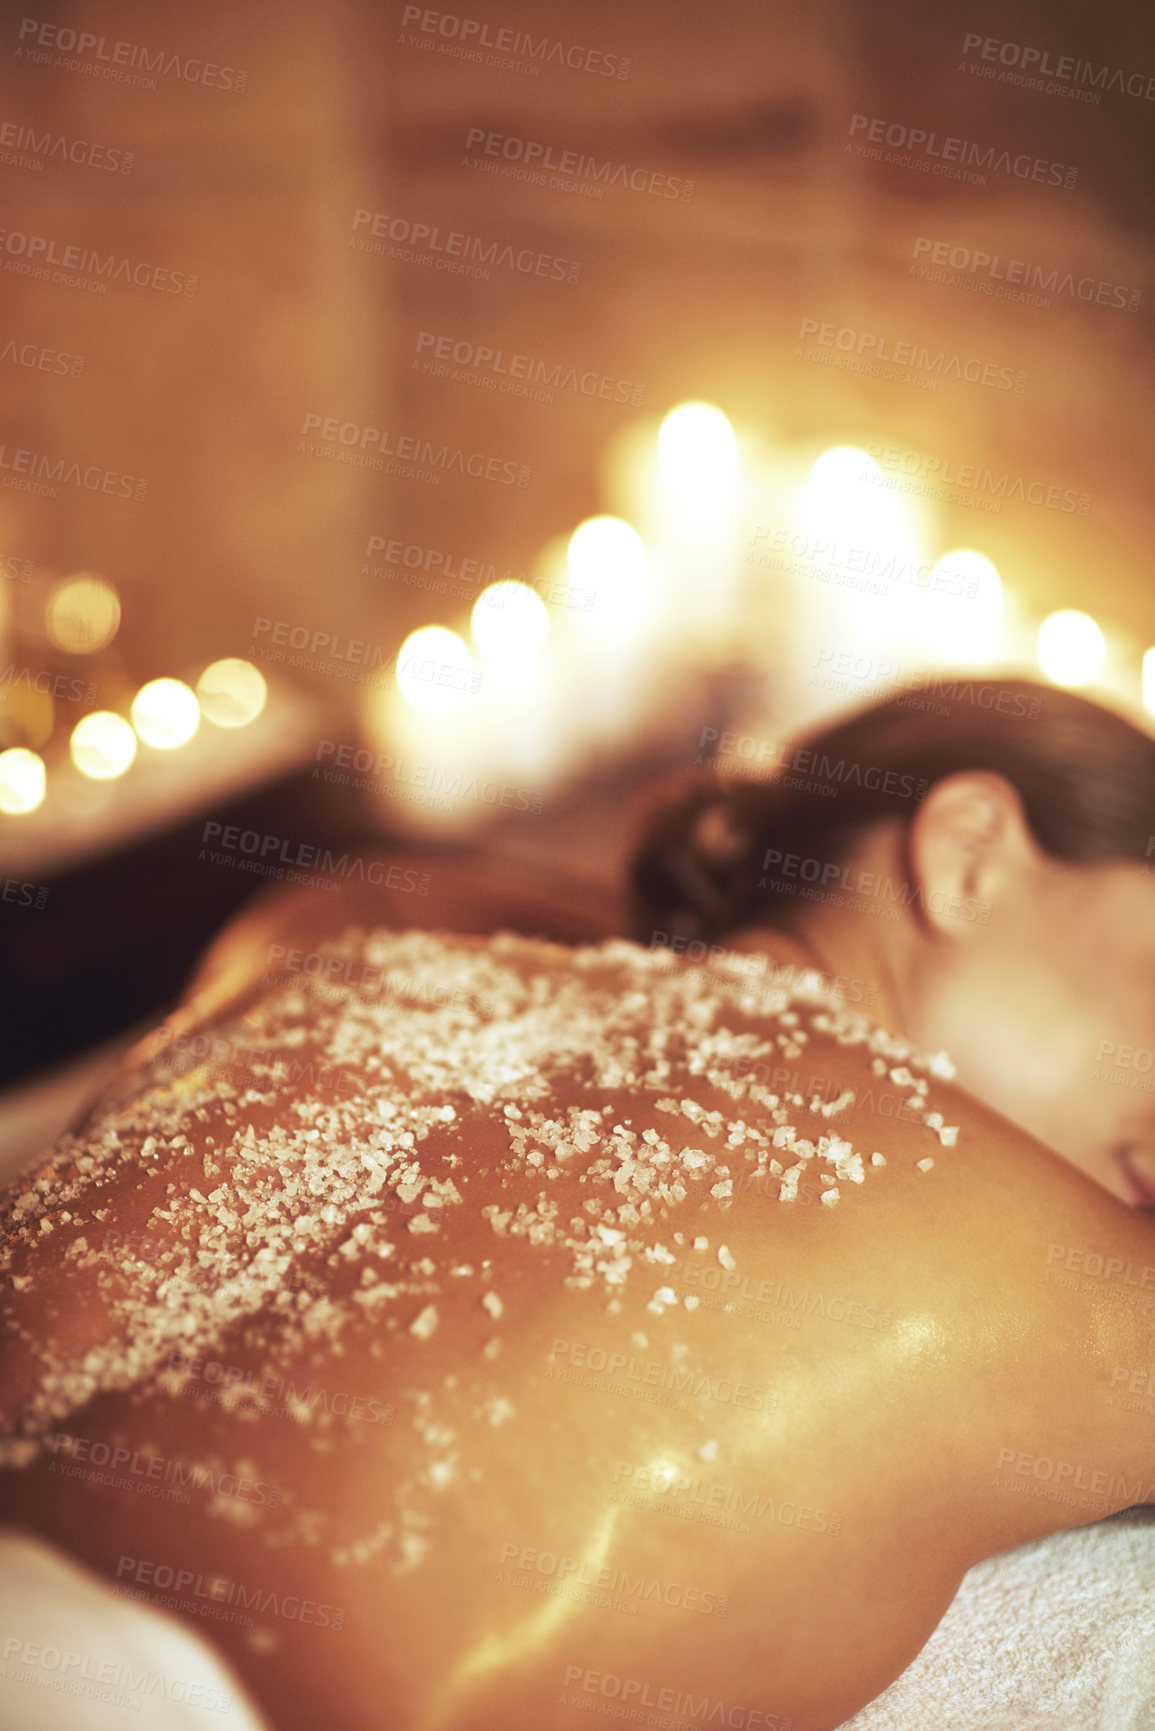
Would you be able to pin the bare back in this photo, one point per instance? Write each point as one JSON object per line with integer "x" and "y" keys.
{"x": 495, "y": 1331}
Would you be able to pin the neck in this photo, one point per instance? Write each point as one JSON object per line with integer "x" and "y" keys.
{"x": 853, "y": 958}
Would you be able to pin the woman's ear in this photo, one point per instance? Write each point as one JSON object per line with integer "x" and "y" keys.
{"x": 970, "y": 848}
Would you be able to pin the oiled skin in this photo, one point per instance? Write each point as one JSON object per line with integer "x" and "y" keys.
{"x": 901, "y": 1432}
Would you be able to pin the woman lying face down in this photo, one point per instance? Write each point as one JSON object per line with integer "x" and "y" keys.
{"x": 497, "y": 1331}
{"x": 983, "y": 878}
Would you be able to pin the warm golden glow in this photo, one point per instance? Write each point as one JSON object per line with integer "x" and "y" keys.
{"x": 846, "y": 500}
{"x": 27, "y": 716}
{"x": 103, "y": 745}
{"x": 232, "y": 692}
{"x": 607, "y": 556}
{"x": 509, "y": 619}
{"x": 964, "y": 607}
{"x": 22, "y": 781}
{"x": 1149, "y": 678}
{"x": 1072, "y": 649}
{"x": 697, "y": 450}
{"x": 165, "y": 713}
{"x": 838, "y": 471}
{"x": 83, "y": 614}
{"x": 435, "y": 670}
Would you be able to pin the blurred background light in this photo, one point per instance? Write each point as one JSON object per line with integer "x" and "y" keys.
{"x": 1072, "y": 649}
{"x": 509, "y": 620}
{"x": 435, "y": 670}
{"x": 103, "y": 745}
{"x": 697, "y": 449}
{"x": 165, "y": 713}
{"x": 232, "y": 692}
{"x": 964, "y": 607}
{"x": 22, "y": 781}
{"x": 607, "y": 555}
{"x": 1149, "y": 679}
{"x": 83, "y": 614}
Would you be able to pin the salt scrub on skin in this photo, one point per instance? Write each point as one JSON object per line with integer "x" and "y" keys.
{"x": 262, "y": 1163}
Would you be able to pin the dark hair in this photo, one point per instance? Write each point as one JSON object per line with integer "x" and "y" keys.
{"x": 1085, "y": 775}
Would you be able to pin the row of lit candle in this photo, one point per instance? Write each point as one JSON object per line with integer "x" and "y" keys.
{"x": 620, "y": 598}
{"x": 165, "y": 714}
{"x": 697, "y": 456}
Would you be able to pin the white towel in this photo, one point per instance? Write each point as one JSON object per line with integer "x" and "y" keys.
{"x": 1056, "y": 1635}
{"x": 74, "y": 1657}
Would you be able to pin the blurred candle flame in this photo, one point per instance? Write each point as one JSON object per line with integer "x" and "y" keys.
{"x": 103, "y": 745}
{"x": 165, "y": 713}
{"x": 83, "y": 614}
{"x": 232, "y": 692}
{"x": 22, "y": 781}
{"x": 1072, "y": 649}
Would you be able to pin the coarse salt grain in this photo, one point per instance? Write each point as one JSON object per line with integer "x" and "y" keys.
{"x": 292, "y": 1174}
{"x": 424, "y": 1324}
